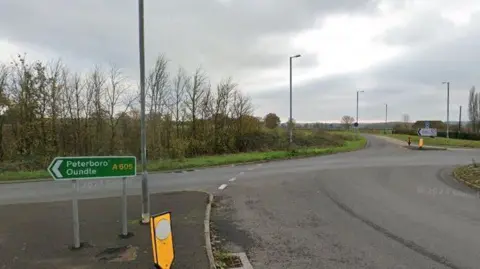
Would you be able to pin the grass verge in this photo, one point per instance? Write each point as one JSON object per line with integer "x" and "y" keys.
{"x": 217, "y": 160}
{"x": 469, "y": 174}
{"x": 437, "y": 141}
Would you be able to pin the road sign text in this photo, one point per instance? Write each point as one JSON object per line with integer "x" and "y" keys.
{"x": 69, "y": 168}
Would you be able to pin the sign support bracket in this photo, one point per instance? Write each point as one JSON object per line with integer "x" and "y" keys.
{"x": 125, "y": 234}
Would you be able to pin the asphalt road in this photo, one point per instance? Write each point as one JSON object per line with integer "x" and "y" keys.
{"x": 381, "y": 207}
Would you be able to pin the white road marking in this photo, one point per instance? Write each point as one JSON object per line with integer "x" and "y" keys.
{"x": 259, "y": 164}
{"x": 241, "y": 173}
{"x": 250, "y": 169}
{"x": 223, "y": 186}
{"x": 232, "y": 179}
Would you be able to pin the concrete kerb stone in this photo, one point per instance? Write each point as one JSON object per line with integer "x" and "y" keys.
{"x": 206, "y": 223}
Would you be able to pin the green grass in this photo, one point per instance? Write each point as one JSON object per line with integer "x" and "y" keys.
{"x": 206, "y": 161}
{"x": 438, "y": 141}
{"x": 469, "y": 174}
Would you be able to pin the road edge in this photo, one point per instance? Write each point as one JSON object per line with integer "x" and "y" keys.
{"x": 206, "y": 223}
{"x": 26, "y": 181}
{"x": 471, "y": 185}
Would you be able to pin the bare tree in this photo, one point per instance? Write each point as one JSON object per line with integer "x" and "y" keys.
{"x": 75, "y": 106}
{"x": 54, "y": 95}
{"x": 158, "y": 87}
{"x": 115, "y": 93}
{"x": 96, "y": 111}
{"x": 241, "y": 107}
{"x": 194, "y": 94}
{"x": 347, "y": 121}
{"x": 181, "y": 82}
{"x": 225, "y": 90}
{"x": 158, "y": 95}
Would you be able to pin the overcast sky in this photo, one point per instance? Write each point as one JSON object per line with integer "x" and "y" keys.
{"x": 397, "y": 51}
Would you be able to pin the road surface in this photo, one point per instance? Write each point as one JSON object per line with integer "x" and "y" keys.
{"x": 381, "y": 207}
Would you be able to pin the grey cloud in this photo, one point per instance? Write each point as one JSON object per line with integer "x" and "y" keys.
{"x": 220, "y": 37}
{"x": 425, "y": 27}
{"x": 410, "y": 83}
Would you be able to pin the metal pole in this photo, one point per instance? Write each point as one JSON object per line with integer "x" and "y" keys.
{"x": 143, "y": 134}
{"x": 460, "y": 121}
{"x": 76, "y": 222}
{"x": 386, "y": 117}
{"x": 124, "y": 207}
{"x": 356, "y": 128}
{"x": 291, "y": 120}
{"x": 448, "y": 108}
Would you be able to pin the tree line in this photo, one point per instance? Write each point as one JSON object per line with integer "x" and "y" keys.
{"x": 46, "y": 110}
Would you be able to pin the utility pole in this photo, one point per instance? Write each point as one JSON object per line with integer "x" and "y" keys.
{"x": 448, "y": 107}
{"x": 290, "y": 131}
{"x": 143, "y": 134}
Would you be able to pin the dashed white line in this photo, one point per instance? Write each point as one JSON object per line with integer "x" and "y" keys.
{"x": 232, "y": 179}
{"x": 241, "y": 173}
{"x": 223, "y": 186}
{"x": 250, "y": 169}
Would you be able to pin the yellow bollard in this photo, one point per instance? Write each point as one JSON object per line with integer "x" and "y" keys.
{"x": 162, "y": 240}
{"x": 420, "y": 143}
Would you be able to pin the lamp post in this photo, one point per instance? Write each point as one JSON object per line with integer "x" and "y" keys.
{"x": 386, "y": 117}
{"x": 357, "y": 110}
{"x": 143, "y": 134}
{"x": 448, "y": 107}
{"x": 290, "y": 131}
{"x": 459, "y": 122}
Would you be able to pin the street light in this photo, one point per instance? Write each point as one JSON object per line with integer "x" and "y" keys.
{"x": 143, "y": 134}
{"x": 459, "y": 122}
{"x": 386, "y": 117}
{"x": 448, "y": 106}
{"x": 291, "y": 119}
{"x": 357, "y": 108}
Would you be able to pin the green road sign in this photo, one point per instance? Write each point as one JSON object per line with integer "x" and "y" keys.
{"x": 92, "y": 167}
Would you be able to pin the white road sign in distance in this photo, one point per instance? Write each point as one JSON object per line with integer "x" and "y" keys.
{"x": 427, "y": 132}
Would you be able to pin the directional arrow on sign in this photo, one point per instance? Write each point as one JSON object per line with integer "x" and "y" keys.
{"x": 427, "y": 132}
{"x": 55, "y": 167}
